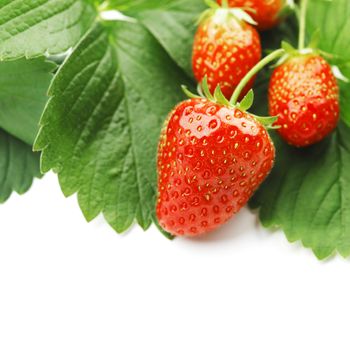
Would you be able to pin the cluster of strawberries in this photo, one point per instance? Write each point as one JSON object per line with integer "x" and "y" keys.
{"x": 213, "y": 154}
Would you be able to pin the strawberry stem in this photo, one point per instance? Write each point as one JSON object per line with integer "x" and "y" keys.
{"x": 268, "y": 59}
{"x": 302, "y": 29}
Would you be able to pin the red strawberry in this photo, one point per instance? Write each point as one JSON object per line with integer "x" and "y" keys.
{"x": 304, "y": 94}
{"x": 211, "y": 159}
{"x": 225, "y": 49}
{"x": 264, "y": 12}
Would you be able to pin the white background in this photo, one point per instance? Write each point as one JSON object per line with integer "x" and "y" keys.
{"x": 69, "y": 285}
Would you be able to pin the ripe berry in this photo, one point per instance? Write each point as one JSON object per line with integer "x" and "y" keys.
{"x": 304, "y": 94}
{"x": 211, "y": 159}
{"x": 264, "y": 12}
{"x": 225, "y": 49}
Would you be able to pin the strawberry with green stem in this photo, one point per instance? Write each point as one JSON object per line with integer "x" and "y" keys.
{"x": 304, "y": 93}
{"x": 213, "y": 154}
{"x": 226, "y": 46}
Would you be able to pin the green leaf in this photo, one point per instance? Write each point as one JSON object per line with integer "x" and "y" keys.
{"x": 137, "y": 5}
{"x": 101, "y": 127}
{"x": 35, "y": 27}
{"x": 173, "y": 24}
{"x": 23, "y": 87}
{"x": 18, "y": 166}
{"x": 331, "y": 18}
{"x": 345, "y": 95}
{"x": 308, "y": 194}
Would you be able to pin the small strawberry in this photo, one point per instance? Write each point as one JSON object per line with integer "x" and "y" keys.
{"x": 225, "y": 48}
{"x": 304, "y": 94}
{"x": 212, "y": 157}
{"x": 265, "y": 12}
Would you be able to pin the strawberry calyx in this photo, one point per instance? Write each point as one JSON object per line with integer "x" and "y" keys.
{"x": 312, "y": 47}
{"x": 218, "y": 97}
{"x": 220, "y": 14}
{"x": 312, "y": 50}
{"x": 291, "y": 51}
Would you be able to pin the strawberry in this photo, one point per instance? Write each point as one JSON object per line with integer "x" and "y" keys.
{"x": 264, "y": 12}
{"x": 304, "y": 94}
{"x": 225, "y": 48}
{"x": 211, "y": 159}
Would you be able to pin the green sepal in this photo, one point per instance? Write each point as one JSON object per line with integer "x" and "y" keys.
{"x": 267, "y": 122}
{"x": 205, "y": 89}
{"x": 337, "y": 71}
{"x": 220, "y": 98}
{"x": 223, "y": 12}
{"x": 205, "y": 15}
{"x": 224, "y": 4}
{"x": 247, "y": 101}
{"x": 189, "y": 93}
{"x": 242, "y": 15}
{"x": 290, "y": 49}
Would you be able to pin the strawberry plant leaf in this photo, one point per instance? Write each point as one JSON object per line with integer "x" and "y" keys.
{"x": 334, "y": 38}
{"x": 18, "y": 166}
{"x": 345, "y": 95}
{"x": 137, "y": 5}
{"x": 23, "y": 87}
{"x": 308, "y": 194}
{"x": 100, "y": 129}
{"x": 172, "y": 23}
{"x": 331, "y": 19}
{"x": 174, "y": 26}
{"x": 35, "y": 27}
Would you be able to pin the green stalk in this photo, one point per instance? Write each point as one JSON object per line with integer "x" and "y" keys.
{"x": 302, "y": 29}
{"x": 268, "y": 59}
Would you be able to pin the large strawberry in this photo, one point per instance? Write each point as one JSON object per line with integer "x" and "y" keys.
{"x": 304, "y": 94}
{"x": 225, "y": 48}
{"x": 265, "y": 12}
{"x": 212, "y": 157}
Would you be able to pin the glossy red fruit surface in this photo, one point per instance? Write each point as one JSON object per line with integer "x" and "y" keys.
{"x": 211, "y": 159}
{"x": 264, "y": 12}
{"x": 225, "y": 49}
{"x": 304, "y": 94}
